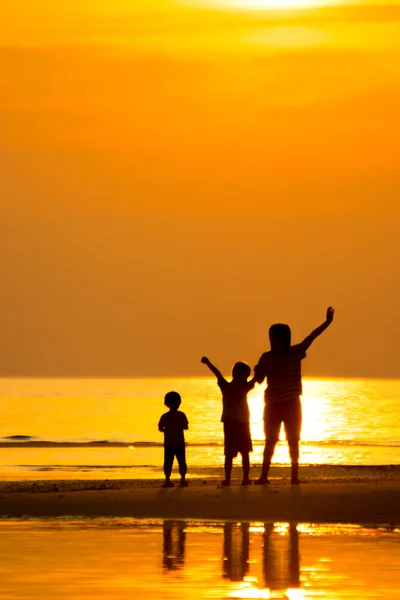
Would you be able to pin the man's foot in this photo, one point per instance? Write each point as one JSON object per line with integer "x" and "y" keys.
{"x": 295, "y": 481}
{"x": 262, "y": 481}
{"x": 246, "y": 482}
{"x": 226, "y": 483}
{"x": 183, "y": 483}
{"x": 167, "y": 484}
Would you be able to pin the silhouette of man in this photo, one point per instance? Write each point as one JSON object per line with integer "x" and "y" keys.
{"x": 281, "y": 366}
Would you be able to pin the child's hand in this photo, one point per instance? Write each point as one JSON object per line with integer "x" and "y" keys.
{"x": 330, "y": 314}
{"x": 205, "y": 360}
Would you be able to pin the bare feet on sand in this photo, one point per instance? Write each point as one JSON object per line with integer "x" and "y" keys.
{"x": 262, "y": 481}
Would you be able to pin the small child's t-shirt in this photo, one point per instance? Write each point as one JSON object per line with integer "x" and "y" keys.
{"x": 234, "y": 400}
{"x": 283, "y": 373}
{"x": 173, "y": 424}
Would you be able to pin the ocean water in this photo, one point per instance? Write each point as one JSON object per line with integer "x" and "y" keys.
{"x": 123, "y": 559}
{"x": 96, "y": 428}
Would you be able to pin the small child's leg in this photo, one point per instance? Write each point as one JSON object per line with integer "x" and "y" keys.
{"x": 181, "y": 458}
{"x": 246, "y": 468}
{"x": 168, "y": 462}
{"x": 228, "y": 470}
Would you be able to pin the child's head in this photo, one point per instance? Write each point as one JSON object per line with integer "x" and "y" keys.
{"x": 280, "y": 336}
{"x": 241, "y": 371}
{"x": 172, "y": 400}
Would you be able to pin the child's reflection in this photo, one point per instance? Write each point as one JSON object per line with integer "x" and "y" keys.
{"x": 174, "y": 538}
{"x": 280, "y": 575}
{"x": 236, "y": 551}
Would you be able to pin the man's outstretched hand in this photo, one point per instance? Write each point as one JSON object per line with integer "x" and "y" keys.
{"x": 330, "y": 313}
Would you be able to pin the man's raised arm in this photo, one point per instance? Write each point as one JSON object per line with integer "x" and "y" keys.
{"x": 306, "y": 343}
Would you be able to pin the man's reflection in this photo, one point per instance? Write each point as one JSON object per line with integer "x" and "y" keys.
{"x": 236, "y": 551}
{"x": 281, "y": 574}
{"x": 174, "y": 538}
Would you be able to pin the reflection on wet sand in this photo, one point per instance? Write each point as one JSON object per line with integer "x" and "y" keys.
{"x": 196, "y": 560}
{"x": 174, "y": 538}
{"x": 236, "y": 551}
{"x": 280, "y": 566}
{"x": 278, "y": 575}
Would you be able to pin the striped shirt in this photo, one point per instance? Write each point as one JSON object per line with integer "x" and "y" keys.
{"x": 283, "y": 373}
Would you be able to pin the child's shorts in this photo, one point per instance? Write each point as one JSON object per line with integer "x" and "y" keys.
{"x": 237, "y": 438}
{"x": 287, "y": 412}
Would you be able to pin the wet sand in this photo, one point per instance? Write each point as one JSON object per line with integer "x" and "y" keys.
{"x": 365, "y": 495}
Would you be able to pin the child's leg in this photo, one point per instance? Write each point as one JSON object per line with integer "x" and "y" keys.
{"x": 228, "y": 469}
{"x": 168, "y": 462}
{"x": 246, "y": 468}
{"x": 229, "y": 442}
{"x": 181, "y": 458}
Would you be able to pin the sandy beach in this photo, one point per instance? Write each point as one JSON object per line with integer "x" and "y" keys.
{"x": 341, "y": 495}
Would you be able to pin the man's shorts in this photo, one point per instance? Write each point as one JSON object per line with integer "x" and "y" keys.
{"x": 237, "y": 438}
{"x": 287, "y": 412}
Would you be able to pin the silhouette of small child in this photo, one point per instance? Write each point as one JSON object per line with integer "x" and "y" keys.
{"x": 281, "y": 366}
{"x": 235, "y": 417}
{"x": 172, "y": 424}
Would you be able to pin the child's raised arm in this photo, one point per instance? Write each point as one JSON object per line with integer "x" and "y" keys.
{"x": 213, "y": 369}
{"x": 306, "y": 343}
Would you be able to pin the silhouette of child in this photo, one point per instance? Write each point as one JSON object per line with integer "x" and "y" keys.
{"x": 172, "y": 424}
{"x": 235, "y": 417}
{"x": 282, "y": 368}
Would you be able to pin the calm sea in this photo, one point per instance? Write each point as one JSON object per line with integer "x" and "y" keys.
{"x": 96, "y": 428}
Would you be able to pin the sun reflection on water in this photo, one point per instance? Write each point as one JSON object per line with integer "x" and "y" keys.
{"x": 268, "y": 5}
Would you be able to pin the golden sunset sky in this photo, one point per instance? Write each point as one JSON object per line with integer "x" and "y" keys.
{"x": 178, "y": 175}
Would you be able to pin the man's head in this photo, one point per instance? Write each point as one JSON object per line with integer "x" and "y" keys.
{"x": 280, "y": 336}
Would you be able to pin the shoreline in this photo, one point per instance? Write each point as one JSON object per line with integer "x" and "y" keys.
{"x": 361, "y": 503}
{"x": 367, "y": 495}
{"x": 72, "y": 479}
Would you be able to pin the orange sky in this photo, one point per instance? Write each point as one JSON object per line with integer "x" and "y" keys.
{"x": 175, "y": 178}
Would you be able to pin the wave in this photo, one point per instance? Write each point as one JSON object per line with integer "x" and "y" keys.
{"x": 28, "y": 441}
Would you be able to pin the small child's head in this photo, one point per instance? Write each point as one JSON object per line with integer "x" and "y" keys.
{"x": 172, "y": 400}
{"x": 241, "y": 371}
{"x": 280, "y": 337}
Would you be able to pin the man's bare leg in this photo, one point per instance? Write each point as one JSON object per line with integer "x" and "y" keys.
{"x": 268, "y": 454}
{"x": 294, "y": 452}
